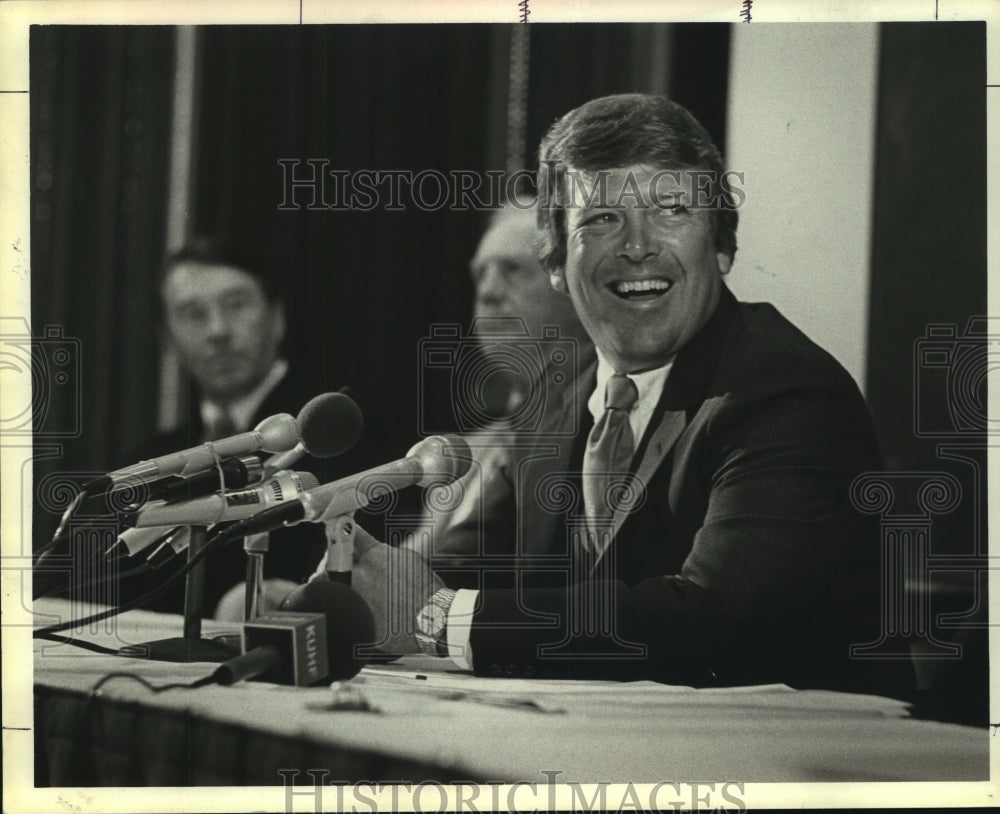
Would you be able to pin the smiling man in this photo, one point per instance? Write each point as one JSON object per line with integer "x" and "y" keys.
{"x": 686, "y": 514}
{"x": 642, "y": 267}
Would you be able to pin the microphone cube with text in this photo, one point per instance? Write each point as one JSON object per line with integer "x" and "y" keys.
{"x": 299, "y": 640}
{"x": 315, "y": 636}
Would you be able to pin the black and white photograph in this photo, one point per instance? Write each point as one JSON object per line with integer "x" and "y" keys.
{"x": 526, "y": 407}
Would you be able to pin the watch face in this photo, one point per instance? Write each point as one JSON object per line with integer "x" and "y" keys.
{"x": 431, "y": 620}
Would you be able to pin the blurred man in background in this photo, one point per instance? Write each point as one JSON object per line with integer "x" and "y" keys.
{"x": 225, "y": 318}
{"x": 512, "y": 295}
{"x": 514, "y": 301}
{"x": 223, "y": 313}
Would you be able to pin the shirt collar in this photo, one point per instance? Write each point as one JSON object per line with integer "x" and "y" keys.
{"x": 649, "y": 383}
{"x": 243, "y": 409}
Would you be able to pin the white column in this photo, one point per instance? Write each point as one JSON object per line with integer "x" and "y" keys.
{"x": 802, "y": 127}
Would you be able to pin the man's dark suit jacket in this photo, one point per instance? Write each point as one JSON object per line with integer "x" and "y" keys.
{"x": 744, "y": 560}
{"x": 293, "y": 552}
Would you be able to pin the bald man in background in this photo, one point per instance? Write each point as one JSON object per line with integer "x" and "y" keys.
{"x": 512, "y": 294}
{"x": 510, "y": 281}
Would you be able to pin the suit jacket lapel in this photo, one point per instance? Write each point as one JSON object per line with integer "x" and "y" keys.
{"x": 694, "y": 369}
{"x": 669, "y": 424}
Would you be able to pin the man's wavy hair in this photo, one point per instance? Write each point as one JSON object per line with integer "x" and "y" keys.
{"x": 251, "y": 256}
{"x": 620, "y": 131}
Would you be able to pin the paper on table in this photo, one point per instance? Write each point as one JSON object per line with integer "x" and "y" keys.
{"x": 390, "y": 675}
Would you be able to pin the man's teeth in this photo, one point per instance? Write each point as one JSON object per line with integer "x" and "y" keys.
{"x": 629, "y": 286}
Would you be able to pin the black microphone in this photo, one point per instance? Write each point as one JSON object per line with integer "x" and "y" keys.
{"x": 236, "y": 473}
{"x": 237, "y": 505}
{"x": 314, "y": 637}
{"x": 126, "y": 496}
{"x": 329, "y": 425}
{"x": 439, "y": 459}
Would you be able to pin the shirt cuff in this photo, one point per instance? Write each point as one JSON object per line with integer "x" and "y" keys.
{"x": 459, "y": 628}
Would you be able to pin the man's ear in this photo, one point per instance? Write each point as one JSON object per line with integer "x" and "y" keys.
{"x": 558, "y": 281}
{"x": 725, "y": 262}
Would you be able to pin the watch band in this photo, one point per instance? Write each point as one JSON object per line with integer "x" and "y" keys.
{"x": 433, "y": 640}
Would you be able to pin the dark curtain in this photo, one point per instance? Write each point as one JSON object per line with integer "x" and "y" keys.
{"x": 571, "y": 64}
{"x": 929, "y": 338}
{"x": 929, "y": 257}
{"x": 100, "y": 111}
{"x": 363, "y": 285}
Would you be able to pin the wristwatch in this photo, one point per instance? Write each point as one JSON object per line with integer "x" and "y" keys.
{"x": 432, "y": 620}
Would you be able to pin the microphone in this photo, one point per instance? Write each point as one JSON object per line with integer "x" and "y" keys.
{"x": 126, "y": 496}
{"x": 206, "y": 511}
{"x": 314, "y": 637}
{"x": 236, "y": 473}
{"x": 439, "y": 459}
{"x": 329, "y": 424}
{"x": 135, "y": 540}
{"x": 276, "y": 433}
{"x": 334, "y": 422}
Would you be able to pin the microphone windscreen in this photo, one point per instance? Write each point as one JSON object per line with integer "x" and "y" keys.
{"x": 442, "y": 459}
{"x": 278, "y": 433}
{"x": 330, "y": 424}
{"x": 459, "y": 455}
{"x": 349, "y": 622}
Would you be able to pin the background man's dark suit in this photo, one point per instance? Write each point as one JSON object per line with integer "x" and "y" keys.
{"x": 744, "y": 563}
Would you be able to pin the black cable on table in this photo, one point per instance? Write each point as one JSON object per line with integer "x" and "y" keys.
{"x": 97, "y": 648}
{"x": 215, "y": 542}
{"x": 151, "y": 687}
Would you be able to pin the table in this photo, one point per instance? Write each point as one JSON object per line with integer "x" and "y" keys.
{"x": 453, "y": 727}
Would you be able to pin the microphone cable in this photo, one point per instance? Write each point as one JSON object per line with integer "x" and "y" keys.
{"x": 213, "y": 543}
{"x": 96, "y": 648}
{"x": 128, "y": 573}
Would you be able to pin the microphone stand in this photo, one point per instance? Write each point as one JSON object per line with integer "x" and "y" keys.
{"x": 340, "y": 547}
{"x": 256, "y": 546}
{"x": 189, "y": 647}
{"x": 340, "y": 531}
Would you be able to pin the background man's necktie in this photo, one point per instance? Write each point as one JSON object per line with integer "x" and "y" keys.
{"x": 606, "y": 461}
{"x": 222, "y": 427}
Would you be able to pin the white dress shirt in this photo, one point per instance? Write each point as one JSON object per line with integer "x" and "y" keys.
{"x": 242, "y": 410}
{"x": 649, "y": 383}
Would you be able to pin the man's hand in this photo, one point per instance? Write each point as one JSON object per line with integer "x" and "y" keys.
{"x": 396, "y": 583}
{"x": 231, "y": 607}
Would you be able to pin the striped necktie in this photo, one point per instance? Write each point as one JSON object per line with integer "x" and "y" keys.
{"x": 606, "y": 461}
